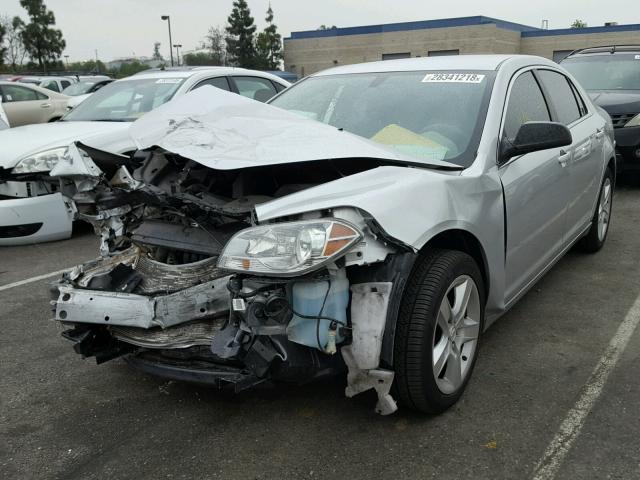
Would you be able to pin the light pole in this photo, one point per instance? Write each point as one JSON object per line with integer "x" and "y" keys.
{"x": 168, "y": 19}
{"x": 177, "y": 47}
{"x": 66, "y": 57}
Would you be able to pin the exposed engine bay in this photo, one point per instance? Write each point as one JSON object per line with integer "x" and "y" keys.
{"x": 189, "y": 286}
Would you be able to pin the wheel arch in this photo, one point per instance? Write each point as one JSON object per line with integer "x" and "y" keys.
{"x": 463, "y": 241}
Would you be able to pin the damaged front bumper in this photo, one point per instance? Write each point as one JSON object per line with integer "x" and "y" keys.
{"x": 158, "y": 297}
{"x": 195, "y": 323}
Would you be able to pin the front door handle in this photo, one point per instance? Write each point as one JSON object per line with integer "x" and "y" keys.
{"x": 564, "y": 157}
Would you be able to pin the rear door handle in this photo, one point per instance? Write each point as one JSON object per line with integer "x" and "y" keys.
{"x": 45, "y": 105}
{"x": 564, "y": 157}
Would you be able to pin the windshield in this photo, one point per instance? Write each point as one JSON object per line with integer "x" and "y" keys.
{"x": 76, "y": 89}
{"x": 428, "y": 115}
{"x": 125, "y": 101}
{"x": 606, "y": 72}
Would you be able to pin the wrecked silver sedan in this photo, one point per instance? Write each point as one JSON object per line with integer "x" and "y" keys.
{"x": 372, "y": 220}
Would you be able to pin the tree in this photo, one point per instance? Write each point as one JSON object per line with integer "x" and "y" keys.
{"x": 199, "y": 59}
{"x": 240, "y": 30}
{"x": 130, "y": 68}
{"x": 269, "y": 45}
{"x": 87, "y": 66}
{"x": 41, "y": 42}
{"x": 579, "y": 24}
{"x": 156, "y": 52}
{"x": 324, "y": 27}
{"x": 3, "y": 49}
{"x": 15, "y": 51}
{"x": 215, "y": 42}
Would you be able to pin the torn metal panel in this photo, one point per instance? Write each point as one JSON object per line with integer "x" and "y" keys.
{"x": 226, "y": 131}
{"x": 180, "y": 336}
{"x": 132, "y": 310}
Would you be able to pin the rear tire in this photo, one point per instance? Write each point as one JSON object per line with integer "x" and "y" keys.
{"x": 597, "y": 234}
{"x": 441, "y": 318}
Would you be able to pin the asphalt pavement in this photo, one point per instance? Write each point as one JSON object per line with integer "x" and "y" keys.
{"x": 62, "y": 417}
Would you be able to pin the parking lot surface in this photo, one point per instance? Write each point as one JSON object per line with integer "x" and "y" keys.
{"x": 62, "y": 417}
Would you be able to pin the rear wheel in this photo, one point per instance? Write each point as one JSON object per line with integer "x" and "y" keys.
{"x": 438, "y": 331}
{"x": 597, "y": 234}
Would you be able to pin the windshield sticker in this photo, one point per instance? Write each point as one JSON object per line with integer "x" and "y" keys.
{"x": 169, "y": 80}
{"x": 453, "y": 78}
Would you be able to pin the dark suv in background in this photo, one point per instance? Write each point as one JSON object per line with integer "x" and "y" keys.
{"x": 611, "y": 75}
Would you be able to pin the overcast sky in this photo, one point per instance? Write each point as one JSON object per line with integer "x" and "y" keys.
{"x": 119, "y": 28}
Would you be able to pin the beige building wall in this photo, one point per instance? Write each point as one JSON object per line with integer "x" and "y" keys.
{"x": 305, "y": 56}
{"x": 545, "y": 46}
{"x": 310, "y": 55}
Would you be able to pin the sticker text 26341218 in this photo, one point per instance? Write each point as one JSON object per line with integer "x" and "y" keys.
{"x": 453, "y": 78}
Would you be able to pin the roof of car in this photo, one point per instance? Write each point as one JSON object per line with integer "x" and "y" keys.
{"x": 452, "y": 62}
{"x": 33, "y": 86}
{"x": 47, "y": 77}
{"x": 606, "y": 50}
{"x": 187, "y": 72}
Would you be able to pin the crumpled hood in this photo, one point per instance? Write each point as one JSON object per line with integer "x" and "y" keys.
{"x": 617, "y": 102}
{"x": 17, "y": 143}
{"x": 226, "y": 131}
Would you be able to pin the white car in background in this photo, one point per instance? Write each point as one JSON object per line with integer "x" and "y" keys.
{"x": 4, "y": 121}
{"x": 55, "y": 84}
{"x": 83, "y": 89}
{"x": 32, "y": 209}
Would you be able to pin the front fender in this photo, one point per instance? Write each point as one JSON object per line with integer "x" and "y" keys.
{"x": 413, "y": 205}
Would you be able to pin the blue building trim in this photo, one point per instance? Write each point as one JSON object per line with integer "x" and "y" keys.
{"x": 581, "y": 31}
{"x": 406, "y": 26}
{"x": 525, "y": 30}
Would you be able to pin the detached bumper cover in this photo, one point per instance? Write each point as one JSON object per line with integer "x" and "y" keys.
{"x": 30, "y": 220}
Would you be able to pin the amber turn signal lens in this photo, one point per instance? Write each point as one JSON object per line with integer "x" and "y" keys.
{"x": 340, "y": 231}
{"x": 334, "y": 246}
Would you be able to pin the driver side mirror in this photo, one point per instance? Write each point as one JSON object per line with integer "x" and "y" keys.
{"x": 533, "y": 137}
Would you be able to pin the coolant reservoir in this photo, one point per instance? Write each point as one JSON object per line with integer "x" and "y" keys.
{"x": 307, "y": 299}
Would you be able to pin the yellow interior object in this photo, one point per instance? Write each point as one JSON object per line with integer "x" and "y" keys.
{"x": 396, "y": 135}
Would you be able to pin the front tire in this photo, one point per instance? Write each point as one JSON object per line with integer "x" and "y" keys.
{"x": 597, "y": 234}
{"x": 438, "y": 331}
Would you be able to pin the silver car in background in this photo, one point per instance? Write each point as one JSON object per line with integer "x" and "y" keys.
{"x": 377, "y": 217}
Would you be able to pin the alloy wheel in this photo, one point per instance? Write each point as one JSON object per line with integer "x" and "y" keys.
{"x": 455, "y": 336}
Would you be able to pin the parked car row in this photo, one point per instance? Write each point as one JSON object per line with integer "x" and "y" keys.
{"x": 33, "y": 209}
{"x": 372, "y": 218}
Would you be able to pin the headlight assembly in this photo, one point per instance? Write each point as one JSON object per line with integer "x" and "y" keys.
{"x": 634, "y": 122}
{"x": 288, "y": 248}
{"x": 40, "y": 162}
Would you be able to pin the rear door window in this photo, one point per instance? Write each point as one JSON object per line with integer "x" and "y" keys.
{"x": 256, "y": 88}
{"x": 51, "y": 85}
{"x": 560, "y": 95}
{"x": 526, "y": 104}
{"x": 16, "y": 93}
{"x": 65, "y": 83}
{"x": 218, "y": 82}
